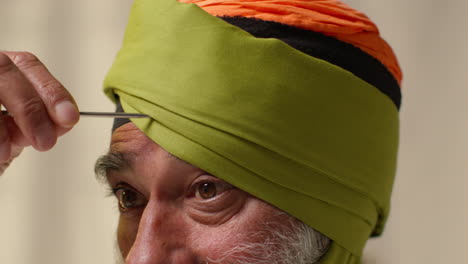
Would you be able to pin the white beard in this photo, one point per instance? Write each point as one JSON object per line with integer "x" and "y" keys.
{"x": 299, "y": 244}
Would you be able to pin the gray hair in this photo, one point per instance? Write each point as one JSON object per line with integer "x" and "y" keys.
{"x": 297, "y": 243}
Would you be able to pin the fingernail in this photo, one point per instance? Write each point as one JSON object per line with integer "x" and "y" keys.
{"x": 67, "y": 114}
{"x": 45, "y": 136}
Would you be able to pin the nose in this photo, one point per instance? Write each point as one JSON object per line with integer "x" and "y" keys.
{"x": 160, "y": 240}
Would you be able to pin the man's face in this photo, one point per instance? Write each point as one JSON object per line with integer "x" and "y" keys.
{"x": 173, "y": 212}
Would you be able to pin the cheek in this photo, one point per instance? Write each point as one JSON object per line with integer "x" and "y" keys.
{"x": 216, "y": 212}
{"x": 212, "y": 243}
{"x": 126, "y": 234}
{"x": 247, "y": 226}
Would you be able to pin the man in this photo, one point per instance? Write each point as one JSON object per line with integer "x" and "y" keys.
{"x": 272, "y": 146}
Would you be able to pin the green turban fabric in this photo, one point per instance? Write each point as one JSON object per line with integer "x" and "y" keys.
{"x": 298, "y": 132}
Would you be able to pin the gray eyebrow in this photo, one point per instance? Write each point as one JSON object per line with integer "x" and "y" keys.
{"x": 112, "y": 161}
{"x": 118, "y": 161}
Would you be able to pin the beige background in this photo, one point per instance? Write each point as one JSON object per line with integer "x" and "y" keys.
{"x": 52, "y": 210}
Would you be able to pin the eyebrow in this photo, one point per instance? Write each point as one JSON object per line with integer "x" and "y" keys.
{"x": 112, "y": 161}
{"x": 118, "y": 161}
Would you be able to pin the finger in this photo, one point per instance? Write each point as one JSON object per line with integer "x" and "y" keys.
{"x": 5, "y": 146}
{"x": 62, "y": 131}
{"x": 59, "y": 103}
{"x": 15, "y": 151}
{"x": 24, "y": 104}
{"x": 16, "y": 136}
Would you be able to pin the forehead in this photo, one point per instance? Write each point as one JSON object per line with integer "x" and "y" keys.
{"x": 130, "y": 143}
{"x": 128, "y": 138}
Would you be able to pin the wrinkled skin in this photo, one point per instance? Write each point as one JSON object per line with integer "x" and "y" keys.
{"x": 173, "y": 214}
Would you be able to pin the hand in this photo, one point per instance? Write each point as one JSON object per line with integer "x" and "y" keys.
{"x": 40, "y": 108}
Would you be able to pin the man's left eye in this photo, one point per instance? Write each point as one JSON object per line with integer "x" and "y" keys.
{"x": 129, "y": 198}
{"x": 210, "y": 189}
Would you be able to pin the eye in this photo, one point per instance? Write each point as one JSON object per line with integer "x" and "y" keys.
{"x": 128, "y": 198}
{"x": 209, "y": 189}
{"x": 206, "y": 190}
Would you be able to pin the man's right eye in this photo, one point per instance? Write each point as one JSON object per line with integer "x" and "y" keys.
{"x": 128, "y": 198}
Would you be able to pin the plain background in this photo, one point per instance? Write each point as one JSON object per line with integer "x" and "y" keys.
{"x": 53, "y": 211}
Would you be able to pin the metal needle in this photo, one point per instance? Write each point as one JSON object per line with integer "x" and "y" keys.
{"x": 104, "y": 114}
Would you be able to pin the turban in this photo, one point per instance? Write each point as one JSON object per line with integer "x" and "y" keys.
{"x": 295, "y": 102}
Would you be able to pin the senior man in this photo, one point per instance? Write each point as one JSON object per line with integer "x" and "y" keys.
{"x": 271, "y": 135}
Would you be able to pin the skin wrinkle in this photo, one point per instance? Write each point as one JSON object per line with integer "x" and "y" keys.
{"x": 174, "y": 226}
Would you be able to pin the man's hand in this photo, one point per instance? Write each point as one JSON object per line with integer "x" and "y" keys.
{"x": 40, "y": 108}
